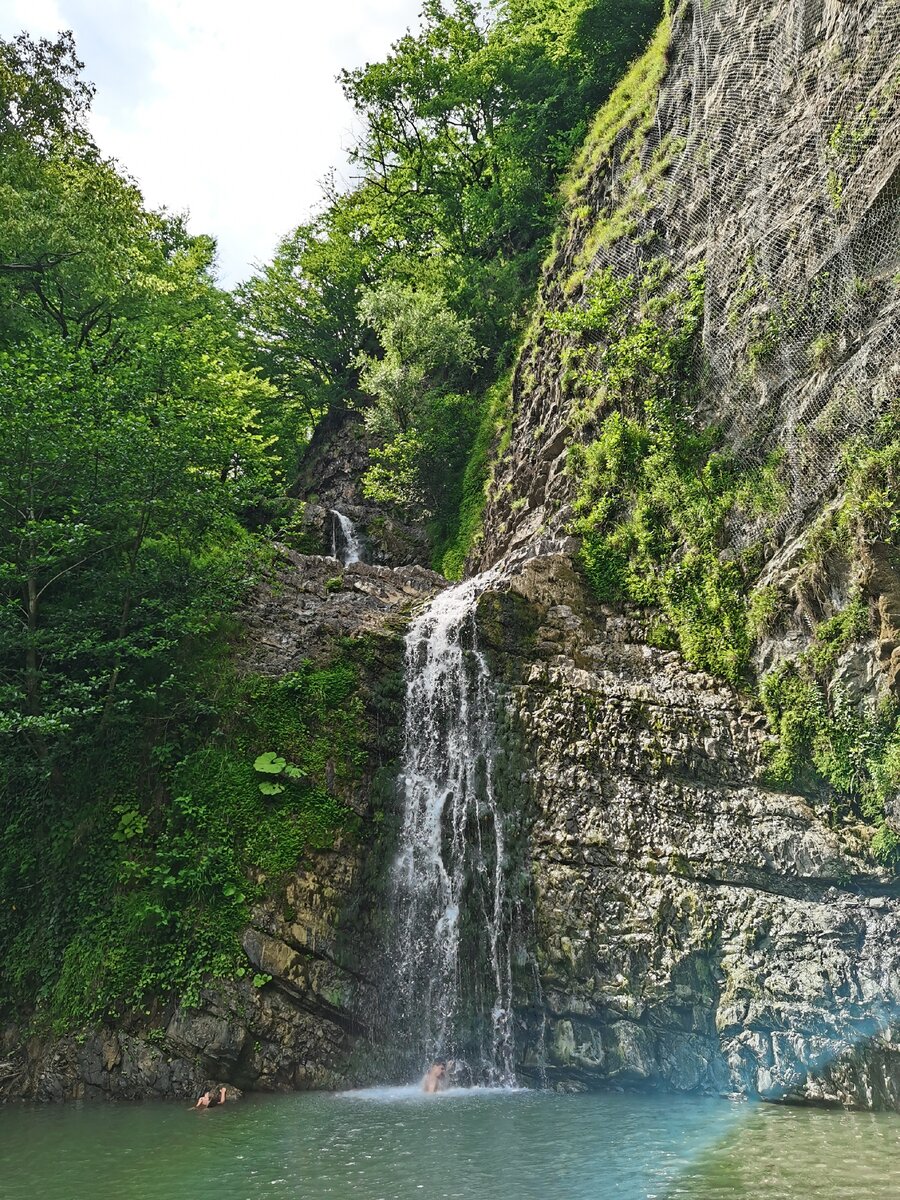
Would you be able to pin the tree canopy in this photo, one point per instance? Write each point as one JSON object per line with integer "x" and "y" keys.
{"x": 465, "y": 130}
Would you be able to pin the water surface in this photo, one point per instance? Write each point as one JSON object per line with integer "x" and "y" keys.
{"x": 396, "y": 1144}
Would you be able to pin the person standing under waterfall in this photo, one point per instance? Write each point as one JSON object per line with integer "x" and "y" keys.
{"x": 435, "y": 1079}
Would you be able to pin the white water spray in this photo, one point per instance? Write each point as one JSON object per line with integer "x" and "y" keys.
{"x": 454, "y": 928}
{"x": 350, "y": 549}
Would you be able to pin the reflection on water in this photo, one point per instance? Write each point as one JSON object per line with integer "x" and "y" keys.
{"x": 783, "y": 1153}
{"x": 412, "y": 1093}
{"x": 397, "y": 1144}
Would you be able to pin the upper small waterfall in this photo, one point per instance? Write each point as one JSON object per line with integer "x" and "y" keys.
{"x": 453, "y": 967}
{"x": 348, "y": 548}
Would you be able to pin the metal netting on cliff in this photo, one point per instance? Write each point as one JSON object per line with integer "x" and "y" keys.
{"x": 778, "y": 126}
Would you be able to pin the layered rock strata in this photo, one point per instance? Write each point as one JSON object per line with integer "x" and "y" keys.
{"x": 694, "y": 928}
{"x": 302, "y": 1008}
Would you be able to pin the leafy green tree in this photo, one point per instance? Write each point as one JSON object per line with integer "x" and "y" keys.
{"x": 467, "y": 127}
{"x": 130, "y": 445}
{"x": 128, "y": 435}
{"x": 427, "y": 356}
{"x": 426, "y": 349}
{"x": 300, "y": 313}
{"x": 43, "y": 98}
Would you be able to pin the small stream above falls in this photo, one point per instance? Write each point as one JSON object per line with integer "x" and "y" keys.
{"x": 451, "y": 968}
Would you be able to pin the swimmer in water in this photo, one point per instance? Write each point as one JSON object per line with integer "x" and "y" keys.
{"x": 435, "y": 1077}
{"x": 212, "y": 1097}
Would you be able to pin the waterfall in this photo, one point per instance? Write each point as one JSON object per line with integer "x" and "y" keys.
{"x": 453, "y": 970}
{"x": 350, "y": 548}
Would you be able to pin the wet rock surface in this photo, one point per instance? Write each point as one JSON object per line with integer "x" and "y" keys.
{"x": 694, "y": 928}
{"x": 297, "y": 1016}
{"x": 330, "y": 479}
{"x": 309, "y": 601}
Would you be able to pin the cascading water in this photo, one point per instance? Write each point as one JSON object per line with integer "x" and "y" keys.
{"x": 452, "y": 969}
{"x": 348, "y": 548}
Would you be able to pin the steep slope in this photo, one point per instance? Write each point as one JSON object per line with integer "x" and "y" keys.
{"x": 708, "y": 395}
{"x": 761, "y": 140}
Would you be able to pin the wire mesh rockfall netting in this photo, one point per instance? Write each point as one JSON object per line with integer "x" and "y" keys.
{"x": 778, "y": 130}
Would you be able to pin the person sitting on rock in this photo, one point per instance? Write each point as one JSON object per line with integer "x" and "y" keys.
{"x": 212, "y": 1096}
{"x": 435, "y": 1077}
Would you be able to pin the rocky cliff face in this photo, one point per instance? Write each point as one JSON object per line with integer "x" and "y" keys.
{"x": 304, "y": 1006}
{"x": 759, "y": 138}
{"x": 694, "y": 927}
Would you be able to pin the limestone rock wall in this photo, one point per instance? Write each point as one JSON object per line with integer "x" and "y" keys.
{"x": 761, "y": 140}
{"x": 296, "y": 1031}
{"x": 693, "y": 927}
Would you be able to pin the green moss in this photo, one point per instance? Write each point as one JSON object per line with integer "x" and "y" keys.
{"x": 655, "y": 494}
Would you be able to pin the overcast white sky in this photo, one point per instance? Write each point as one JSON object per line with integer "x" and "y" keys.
{"x": 229, "y": 109}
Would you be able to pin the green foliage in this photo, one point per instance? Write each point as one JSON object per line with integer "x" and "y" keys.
{"x": 412, "y": 287}
{"x": 427, "y": 353}
{"x": 424, "y": 349}
{"x": 851, "y": 624}
{"x": 300, "y": 315}
{"x": 654, "y": 494}
{"x": 269, "y": 763}
{"x": 395, "y": 477}
{"x": 872, "y": 506}
{"x": 272, "y": 764}
{"x": 766, "y": 606}
{"x": 128, "y": 435}
{"x": 135, "y": 832}
{"x": 451, "y": 555}
{"x": 853, "y": 747}
{"x": 108, "y": 903}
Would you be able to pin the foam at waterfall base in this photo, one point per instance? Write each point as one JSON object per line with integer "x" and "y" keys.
{"x": 411, "y": 1093}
